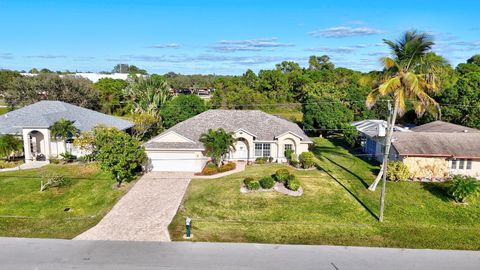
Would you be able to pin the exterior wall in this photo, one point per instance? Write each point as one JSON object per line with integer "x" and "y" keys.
{"x": 427, "y": 166}
{"x": 474, "y": 171}
{"x": 249, "y": 141}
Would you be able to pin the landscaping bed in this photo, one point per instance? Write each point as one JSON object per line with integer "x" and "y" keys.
{"x": 212, "y": 169}
{"x": 27, "y": 212}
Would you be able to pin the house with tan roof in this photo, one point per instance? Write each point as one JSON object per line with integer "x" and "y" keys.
{"x": 257, "y": 135}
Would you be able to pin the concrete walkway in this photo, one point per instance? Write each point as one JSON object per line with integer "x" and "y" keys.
{"x": 26, "y": 166}
{"x": 145, "y": 212}
{"x": 65, "y": 254}
{"x": 239, "y": 168}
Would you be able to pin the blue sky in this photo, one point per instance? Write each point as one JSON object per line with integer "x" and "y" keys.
{"x": 223, "y": 37}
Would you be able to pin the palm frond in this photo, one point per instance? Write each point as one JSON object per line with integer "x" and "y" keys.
{"x": 389, "y": 86}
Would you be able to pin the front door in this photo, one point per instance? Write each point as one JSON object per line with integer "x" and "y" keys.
{"x": 241, "y": 151}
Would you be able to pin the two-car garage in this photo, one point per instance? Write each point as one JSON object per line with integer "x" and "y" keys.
{"x": 174, "y": 161}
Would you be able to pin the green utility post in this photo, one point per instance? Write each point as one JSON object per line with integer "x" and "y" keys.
{"x": 188, "y": 225}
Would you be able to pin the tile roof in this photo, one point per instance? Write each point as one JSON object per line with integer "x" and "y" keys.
{"x": 264, "y": 126}
{"x": 45, "y": 113}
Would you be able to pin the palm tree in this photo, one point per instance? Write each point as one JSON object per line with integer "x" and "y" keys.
{"x": 408, "y": 76}
{"x": 62, "y": 130}
{"x": 148, "y": 95}
{"x": 9, "y": 144}
{"x": 218, "y": 143}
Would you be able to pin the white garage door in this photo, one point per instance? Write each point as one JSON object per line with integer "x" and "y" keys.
{"x": 173, "y": 162}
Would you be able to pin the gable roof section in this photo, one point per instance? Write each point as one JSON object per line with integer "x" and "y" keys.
{"x": 45, "y": 113}
{"x": 444, "y": 127}
{"x": 461, "y": 145}
{"x": 265, "y": 126}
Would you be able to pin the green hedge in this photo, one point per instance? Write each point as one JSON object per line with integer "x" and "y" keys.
{"x": 267, "y": 182}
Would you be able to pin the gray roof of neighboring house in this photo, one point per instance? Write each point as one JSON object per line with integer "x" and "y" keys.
{"x": 466, "y": 145}
{"x": 45, "y": 113}
{"x": 263, "y": 126}
{"x": 445, "y": 127}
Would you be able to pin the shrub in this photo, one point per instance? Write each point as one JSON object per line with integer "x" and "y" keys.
{"x": 209, "y": 169}
{"x": 397, "y": 171}
{"x": 260, "y": 160}
{"x": 307, "y": 159}
{"x": 462, "y": 187}
{"x": 251, "y": 183}
{"x": 68, "y": 157}
{"x": 289, "y": 154}
{"x": 54, "y": 160}
{"x": 267, "y": 182}
{"x": 52, "y": 180}
{"x": 270, "y": 159}
{"x": 227, "y": 167}
{"x": 292, "y": 183}
{"x": 281, "y": 175}
{"x": 5, "y": 164}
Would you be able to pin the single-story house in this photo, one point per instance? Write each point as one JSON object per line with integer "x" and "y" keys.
{"x": 33, "y": 123}
{"x": 434, "y": 150}
{"x": 372, "y": 134}
{"x": 257, "y": 134}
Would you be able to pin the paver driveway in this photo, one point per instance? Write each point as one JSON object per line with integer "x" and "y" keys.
{"x": 144, "y": 213}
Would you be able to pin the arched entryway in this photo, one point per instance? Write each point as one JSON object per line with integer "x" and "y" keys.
{"x": 241, "y": 150}
{"x": 37, "y": 145}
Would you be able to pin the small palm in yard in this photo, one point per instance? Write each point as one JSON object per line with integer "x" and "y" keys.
{"x": 463, "y": 187}
{"x": 218, "y": 143}
{"x": 62, "y": 130}
{"x": 410, "y": 75}
{"x": 9, "y": 144}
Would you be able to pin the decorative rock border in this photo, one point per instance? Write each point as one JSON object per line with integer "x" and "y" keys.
{"x": 279, "y": 187}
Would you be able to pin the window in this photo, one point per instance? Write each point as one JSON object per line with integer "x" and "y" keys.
{"x": 454, "y": 164}
{"x": 288, "y": 147}
{"x": 469, "y": 164}
{"x": 262, "y": 149}
{"x": 461, "y": 164}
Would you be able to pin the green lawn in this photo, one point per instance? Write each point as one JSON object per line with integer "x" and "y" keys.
{"x": 336, "y": 209}
{"x": 27, "y": 212}
{"x": 3, "y": 110}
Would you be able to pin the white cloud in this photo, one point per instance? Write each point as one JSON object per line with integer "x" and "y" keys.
{"x": 259, "y": 44}
{"x": 345, "y": 31}
{"x": 165, "y": 46}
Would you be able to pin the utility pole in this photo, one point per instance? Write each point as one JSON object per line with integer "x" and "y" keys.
{"x": 388, "y": 141}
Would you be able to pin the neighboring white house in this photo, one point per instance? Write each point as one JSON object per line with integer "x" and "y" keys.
{"x": 372, "y": 135}
{"x": 32, "y": 123}
{"x": 94, "y": 77}
{"x": 257, "y": 134}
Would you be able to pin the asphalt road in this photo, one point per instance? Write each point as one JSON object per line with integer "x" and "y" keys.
{"x": 40, "y": 254}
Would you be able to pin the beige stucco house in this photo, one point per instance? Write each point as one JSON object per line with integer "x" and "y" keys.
{"x": 32, "y": 123}
{"x": 257, "y": 134}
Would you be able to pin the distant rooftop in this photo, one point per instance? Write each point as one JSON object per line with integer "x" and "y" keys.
{"x": 45, "y": 113}
{"x": 445, "y": 127}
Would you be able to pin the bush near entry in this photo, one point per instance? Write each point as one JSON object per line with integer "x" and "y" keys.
{"x": 307, "y": 159}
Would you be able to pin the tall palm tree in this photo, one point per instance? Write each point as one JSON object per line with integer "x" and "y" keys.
{"x": 409, "y": 76}
{"x": 62, "y": 130}
{"x": 218, "y": 143}
{"x": 9, "y": 144}
{"x": 148, "y": 95}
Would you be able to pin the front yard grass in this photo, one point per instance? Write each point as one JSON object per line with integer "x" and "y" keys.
{"x": 27, "y": 212}
{"x": 336, "y": 209}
